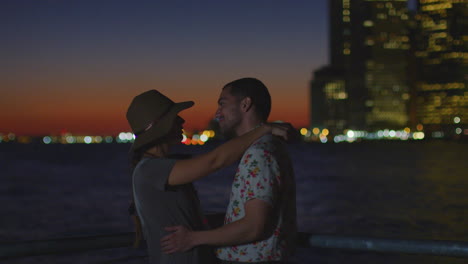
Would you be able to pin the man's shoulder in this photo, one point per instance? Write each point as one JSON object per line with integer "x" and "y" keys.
{"x": 267, "y": 145}
{"x": 267, "y": 142}
{"x": 262, "y": 142}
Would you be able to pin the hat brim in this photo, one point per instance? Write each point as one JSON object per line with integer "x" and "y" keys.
{"x": 162, "y": 127}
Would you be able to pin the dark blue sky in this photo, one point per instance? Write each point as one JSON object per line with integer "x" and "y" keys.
{"x": 99, "y": 54}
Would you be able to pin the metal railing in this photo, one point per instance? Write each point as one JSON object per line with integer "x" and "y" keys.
{"x": 305, "y": 240}
{"x": 426, "y": 247}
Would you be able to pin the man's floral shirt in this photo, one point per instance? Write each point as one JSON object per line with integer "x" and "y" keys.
{"x": 265, "y": 173}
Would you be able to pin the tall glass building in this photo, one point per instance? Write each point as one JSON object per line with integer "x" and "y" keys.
{"x": 366, "y": 84}
{"x": 442, "y": 55}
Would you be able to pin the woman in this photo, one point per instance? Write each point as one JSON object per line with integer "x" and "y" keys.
{"x": 162, "y": 189}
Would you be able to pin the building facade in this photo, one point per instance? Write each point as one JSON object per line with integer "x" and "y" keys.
{"x": 442, "y": 54}
{"x": 369, "y": 44}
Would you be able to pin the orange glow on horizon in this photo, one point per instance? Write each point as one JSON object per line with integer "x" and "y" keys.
{"x": 111, "y": 124}
{"x": 95, "y": 111}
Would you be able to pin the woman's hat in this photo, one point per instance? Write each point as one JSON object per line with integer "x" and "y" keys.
{"x": 151, "y": 115}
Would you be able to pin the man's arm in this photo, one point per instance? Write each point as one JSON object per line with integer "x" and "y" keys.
{"x": 261, "y": 172}
{"x": 255, "y": 225}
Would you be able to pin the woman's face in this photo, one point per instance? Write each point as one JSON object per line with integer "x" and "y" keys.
{"x": 175, "y": 135}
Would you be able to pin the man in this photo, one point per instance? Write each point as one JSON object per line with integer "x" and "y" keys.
{"x": 260, "y": 222}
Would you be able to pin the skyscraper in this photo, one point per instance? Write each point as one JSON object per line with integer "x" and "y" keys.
{"x": 365, "y": 86}
{"x": 442, "y": 53}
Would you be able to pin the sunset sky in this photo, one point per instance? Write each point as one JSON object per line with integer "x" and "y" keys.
{"x": 76, "y": 65}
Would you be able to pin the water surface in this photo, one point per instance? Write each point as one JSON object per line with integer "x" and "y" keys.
{"x": 405, "y": 190}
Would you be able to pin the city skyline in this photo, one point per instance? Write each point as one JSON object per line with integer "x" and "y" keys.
{"x": 394, "y": 67}
{"x": 75, "y": 66}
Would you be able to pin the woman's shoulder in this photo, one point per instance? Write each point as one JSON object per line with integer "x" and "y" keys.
{"x": 152, "y": 173}
{"x": 154, "y": 163}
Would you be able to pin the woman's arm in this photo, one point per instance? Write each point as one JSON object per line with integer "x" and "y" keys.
{"x": 189, "y": 170}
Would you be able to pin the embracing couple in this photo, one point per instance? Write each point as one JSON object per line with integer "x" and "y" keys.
{"x": 260, "y": 221}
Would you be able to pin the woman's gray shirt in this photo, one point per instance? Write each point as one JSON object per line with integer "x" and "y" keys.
{"x": 160, "y": 205}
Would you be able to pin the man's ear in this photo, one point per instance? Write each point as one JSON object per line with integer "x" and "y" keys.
{"x": 246, "y": 104}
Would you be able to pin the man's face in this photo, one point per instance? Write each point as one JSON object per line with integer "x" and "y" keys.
{"x": 229, "y": 114}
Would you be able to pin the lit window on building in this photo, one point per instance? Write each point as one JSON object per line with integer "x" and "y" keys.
{"x": 368, "y": 23}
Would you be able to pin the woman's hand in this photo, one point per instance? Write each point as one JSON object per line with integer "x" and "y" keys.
{"x": 180, "y": 240}
{"x": 283, "y": 130}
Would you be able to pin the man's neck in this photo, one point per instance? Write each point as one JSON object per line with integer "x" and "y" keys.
{"x": 248, "y": 125}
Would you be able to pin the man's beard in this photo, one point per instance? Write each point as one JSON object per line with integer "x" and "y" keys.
{"x": 228, "y": 133}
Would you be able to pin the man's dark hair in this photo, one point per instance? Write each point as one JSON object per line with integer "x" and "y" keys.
{"x": 256, "y": 91}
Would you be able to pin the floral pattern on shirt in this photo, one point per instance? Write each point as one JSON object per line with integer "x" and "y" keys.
{"x": 257, "y": 177}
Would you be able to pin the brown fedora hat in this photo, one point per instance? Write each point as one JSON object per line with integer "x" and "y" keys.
{"x": 151, "y": 115}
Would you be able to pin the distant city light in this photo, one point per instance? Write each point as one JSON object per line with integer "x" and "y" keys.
{"x": 386, "y": 133}
{"x": 325, "y": 132}
{"x": 129, "y": 136}
{"x": 204, "y": 138}
{"x": 323, "y": 139}
{"x": 70, "y": 139}
{"x": 404, "y": 136}
{"x": 368, "y": 23}
{"x": 316, "y": 134}
{"x": 380, "y": 133}
{"x": 418, "y": 135}
{"x": 187, "y": 141}
{"x": 47, "y": 140}
{"x": 196, "y": 140}
{"x": 354, "y": 135}
{"x": 88, "y": 140}
{"x": 125, "y": 137}
{"x": 305, "y": 132}
{"x": 206, "y": 133}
